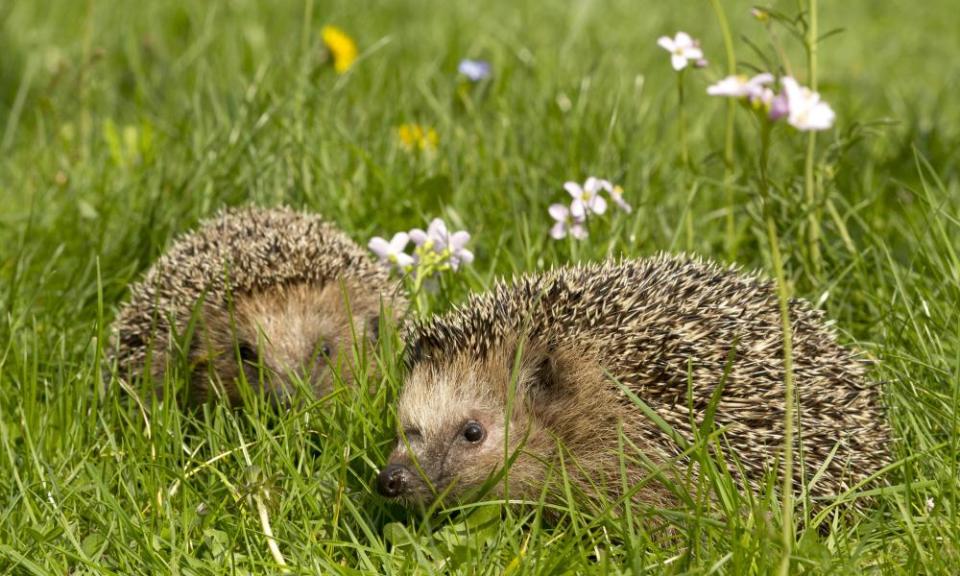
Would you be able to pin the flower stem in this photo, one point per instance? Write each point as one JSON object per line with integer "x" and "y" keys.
{"x": 813, "y": 204}
{"x": 682, "y": 121}
{"x": 788, "y": 384}
{"x": 728, "y": 140}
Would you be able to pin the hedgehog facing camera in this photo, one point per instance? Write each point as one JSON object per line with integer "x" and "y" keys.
{"x": 264, "y": 297}
{"x": 597, "y": 377}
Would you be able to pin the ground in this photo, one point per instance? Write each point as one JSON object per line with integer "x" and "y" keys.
{"x": 125, "y": 123}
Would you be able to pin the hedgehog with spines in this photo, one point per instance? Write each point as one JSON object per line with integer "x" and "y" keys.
{"x": 272, "y": 295}
{"x": 544, "y": 367}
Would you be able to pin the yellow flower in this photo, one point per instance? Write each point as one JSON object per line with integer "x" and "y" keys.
{"x": 342, "y": 48}
{"x": 416, "y": 137}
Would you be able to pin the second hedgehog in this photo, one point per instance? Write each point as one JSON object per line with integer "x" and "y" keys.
{"x": 269, "y": 295}
{"x": 543, "y": 373}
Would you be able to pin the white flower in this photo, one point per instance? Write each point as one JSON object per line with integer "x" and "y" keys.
{"x": 392, "y": 252}
{"x": 805, "y": 110}
{"x": 930, "y": 504}
{"x": 585, "y": 198}
{"x": 742, "y": 87}
{"x": 565, "y": 223}
{"x": 682, "y": 49}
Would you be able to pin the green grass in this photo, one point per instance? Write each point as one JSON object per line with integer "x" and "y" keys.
{"x": 226, "y": 103}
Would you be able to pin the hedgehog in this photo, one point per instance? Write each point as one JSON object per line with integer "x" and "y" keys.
{"x": 548, "y": 374}
{"x": 272, "y": 295}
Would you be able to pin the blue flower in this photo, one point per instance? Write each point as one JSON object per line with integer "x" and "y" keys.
{"x": 475, "y": 70}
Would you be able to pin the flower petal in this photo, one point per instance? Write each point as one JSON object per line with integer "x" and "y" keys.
{"x": 464, "y": 256}
{"x": 591, "y": 186}
{"x": 578, "y": 210}
{"x": 559, "y": 212}
{"x": 820, "y": 117}
{"x": 404, "y": 260}
{"x": 683, "y": 40}
{"x": 678, "y": 62}
{"x": 558, "y": 231}
{"x": 791, "y": 89}
{"x": 573, "y": 189}
{"x": 379, "y": 246}
{"x": 418, "y": 236}
{"x": 666, "y": 43}
{"x": 598, "y": 205}
{"x": 578, "y": 231}
{"x": 437, "y": 229}
{"x": 458, "y": 240}
{"x": 399, "y": 242}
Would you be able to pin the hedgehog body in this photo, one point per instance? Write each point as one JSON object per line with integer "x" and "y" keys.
{"x": 275, "y": 294}
{"x": 551, "y": 360}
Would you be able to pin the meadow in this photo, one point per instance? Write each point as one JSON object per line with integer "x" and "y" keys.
{"x": 123, "y": 124}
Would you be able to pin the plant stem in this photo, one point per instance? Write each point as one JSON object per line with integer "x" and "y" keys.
{"x": 682, "y": 121}
{"x": 728, "y": 140}
{"x": 813, "y": 232}
{"x": 788, "y": 384}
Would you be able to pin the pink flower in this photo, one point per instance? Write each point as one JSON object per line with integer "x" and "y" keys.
{"x": 779, "y": 107}
{"x": 682, "y": 49}
{"x": 565, "y": 223}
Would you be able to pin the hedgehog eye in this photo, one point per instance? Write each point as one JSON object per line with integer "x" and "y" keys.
{"x": 248, "y": 353}
{"x": 473, "y": 432}
{"x": 325, "y": 350}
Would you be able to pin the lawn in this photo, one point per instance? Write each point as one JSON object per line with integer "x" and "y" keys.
{"x": 123, "y": 124}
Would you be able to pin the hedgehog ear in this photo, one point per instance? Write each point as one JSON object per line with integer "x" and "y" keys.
{"x": 541, "y": 372}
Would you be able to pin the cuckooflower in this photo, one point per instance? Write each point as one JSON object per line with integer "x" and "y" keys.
{"x": 741, "y": 87}
{"x": 436, "y": 234}
{"x": 439, "y": 240}
{"x": 682, "y": 49}
{"x": 616, "y": 194}
{"x": 458, "y": 250}
{"x": 806, "y": 112}
{"x": 341, "y": 46}
{"x": 475, "y": 70}
{"x": 565, "y": 223}
{"x": 779, "y": 107}
{"x": 392, "y": 252}
{"x": 586, "y": 199}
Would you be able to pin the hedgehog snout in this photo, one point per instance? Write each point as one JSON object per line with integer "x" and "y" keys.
{"x": 393, "y": 480}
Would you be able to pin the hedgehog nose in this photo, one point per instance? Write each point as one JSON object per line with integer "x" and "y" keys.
{"x": 392, "y": 480}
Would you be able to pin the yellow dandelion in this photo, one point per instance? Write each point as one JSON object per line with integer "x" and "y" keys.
{"x": 342, "y": 48}
{"x": 416, "y": 137}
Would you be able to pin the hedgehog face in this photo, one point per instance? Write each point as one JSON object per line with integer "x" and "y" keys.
{"x": 456, "y": 434}
{"x": 282, "y": 335}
